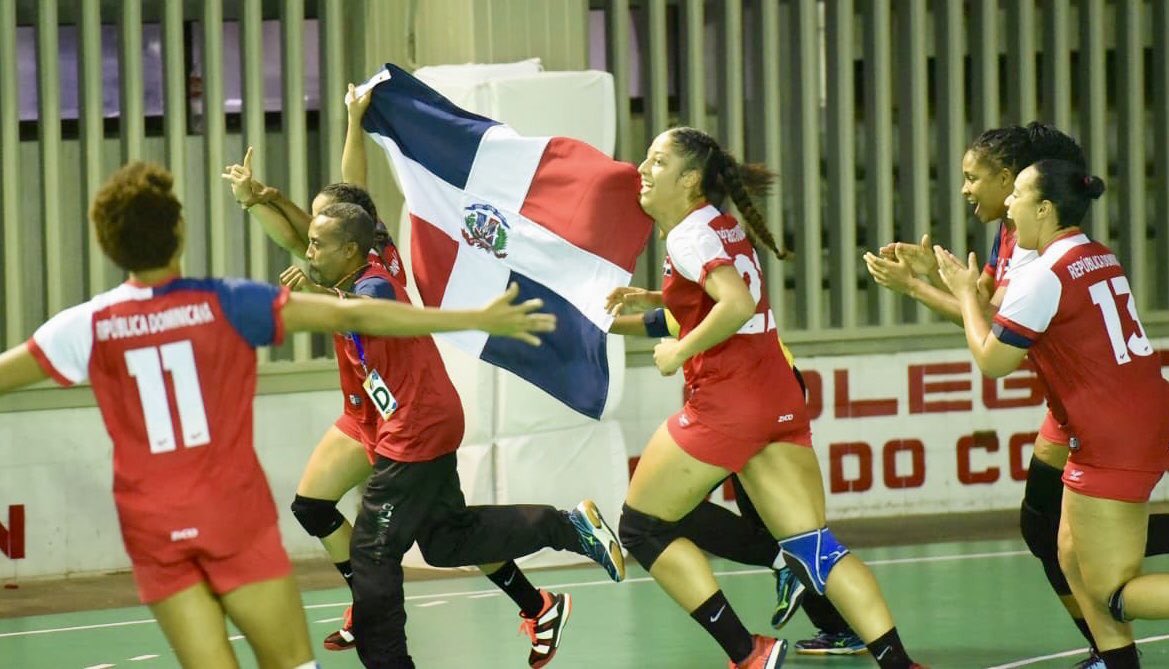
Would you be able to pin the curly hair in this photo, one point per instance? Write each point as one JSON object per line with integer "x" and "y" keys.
{"x": 722, "y": 175}
{"x": 137, "y": 217}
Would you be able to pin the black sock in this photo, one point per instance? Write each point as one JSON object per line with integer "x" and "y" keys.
{"x": 346, "y": 570}
{"x": 723, "y": 533}
{"x": 1122, "y": 658}
{"x": 720, "y": 621}
{"x": 1158, "y": 540}
{"x": 512, "y": 581}
{"x": 1083, "y": 625}
{"x": 888, "y": 651}
{"x": 823, "y": 614}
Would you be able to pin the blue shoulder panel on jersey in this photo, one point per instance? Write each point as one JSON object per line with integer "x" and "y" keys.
{"x": 374, "y": 286}
{"x": 993, "y": 259}
{"x": 247, "y": 304}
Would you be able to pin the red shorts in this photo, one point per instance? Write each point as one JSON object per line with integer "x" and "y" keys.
{"x": 263, "y": 560}
{"x": 1051, "y": 430}
{"x": 720, "y": 449}
{"x": 363, "y": 433}
{"x": 1123, "y": 485}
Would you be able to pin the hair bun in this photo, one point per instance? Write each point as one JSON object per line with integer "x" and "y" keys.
{"x": 1093, "y": 186}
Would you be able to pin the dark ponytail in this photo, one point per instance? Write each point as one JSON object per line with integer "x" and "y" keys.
{"x": 1069, "y": 187}
{"x": 722, "y": 176}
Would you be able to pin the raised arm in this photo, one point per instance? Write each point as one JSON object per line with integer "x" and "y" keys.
{"x": 283, "y": 221}
{"x": 320, "y": 313}
{"x": 353, "y": 153}
{"x": 900, "y": 267}
{"x": 18, "y": 368}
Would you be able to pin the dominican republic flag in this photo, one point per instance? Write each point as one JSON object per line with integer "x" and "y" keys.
{"x": 489, "y": 207}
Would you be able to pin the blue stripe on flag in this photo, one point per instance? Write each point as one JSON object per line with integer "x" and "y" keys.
{"x": 427, "y": 127}
{"x": 572, "y": 365}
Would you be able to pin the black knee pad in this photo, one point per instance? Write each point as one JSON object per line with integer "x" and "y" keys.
{"x": 1041, "y": 532}
{"x": 1059, "y": 582}
{"x": 318, "y": 517}
{"x": 1040, "y": 512}
{"x": 644, "y": 536}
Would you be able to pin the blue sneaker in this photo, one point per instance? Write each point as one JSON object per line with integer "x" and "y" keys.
{"x": 1093, "y": 661}
{"x": 825, "y": 643}
{"x": 597, "y": 539}
{"x": 789, "y": 592}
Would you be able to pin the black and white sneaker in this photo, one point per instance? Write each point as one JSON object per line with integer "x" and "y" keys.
{"x": 545, "y": 628}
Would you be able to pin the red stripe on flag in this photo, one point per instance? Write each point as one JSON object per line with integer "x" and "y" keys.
{"x": 590, "y": 201}
{"x": 432, "y": 254}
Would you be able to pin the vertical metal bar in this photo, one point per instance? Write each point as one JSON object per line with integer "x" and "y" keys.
{"x": 295, "y": 132}
{"x": 49, "y": 136}
{"x": 101, "y": 271}
{"x": 333, "y": 115}
{"x": 132, "y": 126}
{"x": 1160, "y": 116}
{"x": 1057, "y": 64}
{"x": 772, "y": 149}
{"x": 1021, "y": 88}
{"x": 951, "y": 103}
{"x": 879, "y": 135}
{"x": 214, "y": 134}
{"x": 841, "y": 158}
{"x": 695, "y": 67}
{"x": 1093, "y": 109}
{"x": 984, "y": 103}
{"x": 10, "y": 218}
{"x": 809, "y": 294}
{"x": 912, "y": 125}
{"x": 174, "y": 121}
{"x": 732, "y": 104}
{"x": 656, "y": 93}
{"x": 252, "y": 60}
{"x": 1130, "y": 53}
{"x": 618, "y": 45}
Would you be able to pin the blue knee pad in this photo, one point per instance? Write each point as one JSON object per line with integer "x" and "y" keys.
{"x": 812, "y": 555}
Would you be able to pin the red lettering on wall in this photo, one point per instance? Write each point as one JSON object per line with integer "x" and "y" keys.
{"x": 815, "y": 384}
{"x": 919, "y": 387}
{"x": 916, "y": 476}
{"x": 849, "y": 408}
{"x": 12, "y": 536}
{"x": 864, "y": 459}
{"x": 1018, "y": 443}
{"x": 1022, "y": 379}
{"x": 985, "y": 440}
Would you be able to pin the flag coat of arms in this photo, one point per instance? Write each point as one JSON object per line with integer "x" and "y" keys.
{"x": 489, "y": 207}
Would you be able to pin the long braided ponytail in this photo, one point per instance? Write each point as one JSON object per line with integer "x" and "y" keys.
{"x": 722, "y": 175}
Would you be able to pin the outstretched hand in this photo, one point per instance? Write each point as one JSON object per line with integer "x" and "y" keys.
{"x": 631, "y": 299}
{"x": 959, "y": 278}
{"x": 506, "y": 318}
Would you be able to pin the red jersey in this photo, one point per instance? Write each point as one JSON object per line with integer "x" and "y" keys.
{"x": 173, "y": 368}
{"x": 429, "y": 420}
{"x": 727, "y": 381}
{"x": 1071, "y": 308}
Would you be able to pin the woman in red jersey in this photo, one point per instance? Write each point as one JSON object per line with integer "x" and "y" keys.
{"x": 745, "y": 412}
{"x": 173, "y": 368}
{"x": 1070, "y": 310}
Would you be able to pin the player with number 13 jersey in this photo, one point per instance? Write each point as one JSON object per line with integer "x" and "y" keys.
{"x": 1071, "y": 307}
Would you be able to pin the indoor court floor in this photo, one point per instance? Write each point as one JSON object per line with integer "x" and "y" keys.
{"x": 958, "y": 605}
